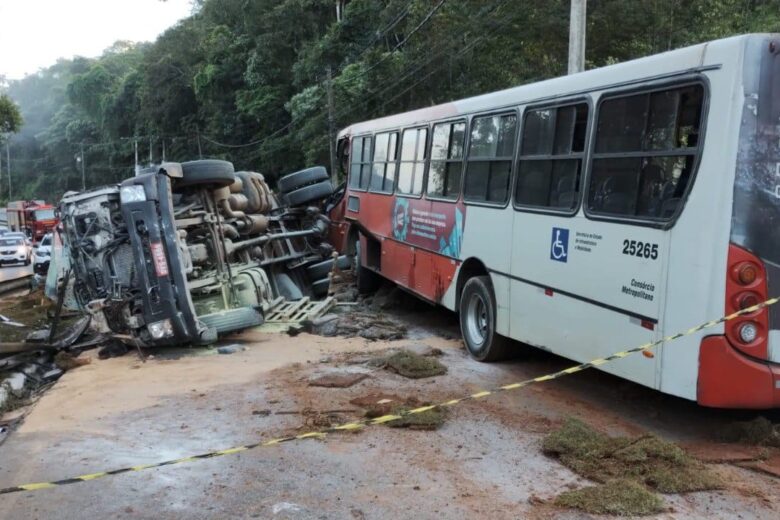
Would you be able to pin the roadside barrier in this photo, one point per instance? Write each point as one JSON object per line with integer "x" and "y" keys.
{"x": 356, "y": 425}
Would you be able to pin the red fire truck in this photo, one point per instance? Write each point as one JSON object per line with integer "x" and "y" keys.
{"x": 34, "y": 217}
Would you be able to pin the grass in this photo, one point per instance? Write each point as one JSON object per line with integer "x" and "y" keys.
{"x": 414, "y": 366}
{"x": 428, "y": 420}
{"x": 757, "y": 432}
{"x": 617, "y": 497}
{"x": 649, "y": 462}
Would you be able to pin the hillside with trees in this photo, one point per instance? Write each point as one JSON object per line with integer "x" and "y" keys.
{"x": 246, "y": 80}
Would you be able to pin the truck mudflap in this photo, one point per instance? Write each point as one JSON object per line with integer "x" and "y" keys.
{"x": 729, "y": 379}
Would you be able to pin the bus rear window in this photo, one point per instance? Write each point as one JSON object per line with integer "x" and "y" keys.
{"x": 646, "y": 147}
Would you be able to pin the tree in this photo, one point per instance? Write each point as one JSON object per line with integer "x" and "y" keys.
{"x": 10, "y": 117}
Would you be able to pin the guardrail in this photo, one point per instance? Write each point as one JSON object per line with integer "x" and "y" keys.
{"x": 15, "y": 284}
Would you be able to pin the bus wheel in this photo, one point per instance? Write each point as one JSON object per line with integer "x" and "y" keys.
{"x": 478, "y": 321}
{"x": 367, "y": 281}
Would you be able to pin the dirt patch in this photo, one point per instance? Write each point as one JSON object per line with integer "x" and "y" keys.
{"x": 412, "y": 365}
{"x": 427, "y": 420}
{"x": 66, "y": 361}
{"x": 757, "y": 432}
{"x": 339, "y": 380}
{"x": 616, "y": 497}
{"x": 660, "y": 464}
{"x": 377, "y": 405}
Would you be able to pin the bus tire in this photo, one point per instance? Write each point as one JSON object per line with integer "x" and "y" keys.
{"x": 367, "y": 281}
{"x": 477, "y": 311}
{"x": 296, "y": 180}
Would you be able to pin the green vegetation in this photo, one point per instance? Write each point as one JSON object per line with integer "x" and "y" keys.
{"x": 255, "y": 73}
{"x": 616, "y": 497}
{"x": 758, "y": 432}
{"x": 414, "y": 366}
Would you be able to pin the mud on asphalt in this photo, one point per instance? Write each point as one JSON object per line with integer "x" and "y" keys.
{"x": 485, "y": 459}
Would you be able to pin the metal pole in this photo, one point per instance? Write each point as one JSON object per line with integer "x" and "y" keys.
{"x": 331, "y": 125}
{"x": 151, "y": 158}
{"x": 200, "y": 150}
{"x": 83, "y": 170}
{"x": 163, "y": 150}
{"x": 577, "y": 27}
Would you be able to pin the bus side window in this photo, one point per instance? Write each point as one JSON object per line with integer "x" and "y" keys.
{"x": 360, "y": 168}
{"x": 646, "y": 146}
{"x": 385, "y": 157}
{"x": 412, "y": 166}
{"x": 489, "y": 164}
{"x": 551, "y": 155}
{"x": 446, "y": 160}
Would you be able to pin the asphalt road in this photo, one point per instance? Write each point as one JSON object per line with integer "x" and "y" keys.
{"x": 13, "y": 271}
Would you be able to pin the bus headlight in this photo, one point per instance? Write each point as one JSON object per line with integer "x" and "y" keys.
{"x": 160, "y": 329}
{"x": 748, "y": 332}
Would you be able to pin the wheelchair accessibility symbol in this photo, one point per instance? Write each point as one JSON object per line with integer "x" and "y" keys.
{"x": 559, "y": 247}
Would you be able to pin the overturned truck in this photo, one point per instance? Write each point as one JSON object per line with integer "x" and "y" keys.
{"x": 184, "y": 252}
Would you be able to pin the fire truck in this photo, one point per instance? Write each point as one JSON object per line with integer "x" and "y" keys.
{"x": 33, "y": 217}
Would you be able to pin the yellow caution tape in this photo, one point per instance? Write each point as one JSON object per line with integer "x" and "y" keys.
{"x": 356, "y": 425}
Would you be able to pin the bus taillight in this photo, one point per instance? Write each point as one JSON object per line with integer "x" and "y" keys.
{"x": 745, "y": 287}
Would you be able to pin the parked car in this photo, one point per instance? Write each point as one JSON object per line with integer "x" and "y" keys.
{"x": 42, "y": 255}
{"x": 185, "y": 252}
{"x": 15, "y": 248}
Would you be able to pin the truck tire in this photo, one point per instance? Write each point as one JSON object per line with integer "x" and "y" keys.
{"x": 477, "y": 315}
{"x": 310, "y": 193}
{"x": 296, "y": 180}
{"x": 233, "y": 319}
{"x": 211, "y": 172}
{"x": 320, "y": 287}
{"x": 322, "y": 269}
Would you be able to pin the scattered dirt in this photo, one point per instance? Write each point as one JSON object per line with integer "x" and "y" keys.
{"x": 369, "y": 326}
{"x": 769, "y": 465}
{"x": 378, "y": 404}
{"x": 427, "y": 420}
{"x": 338, "y": 380}
{"x": 623, "y": 497}
{"x": 412, "y": 365}
{"x": 67, "y": 361}
{"x": 646, "y": 460}
{"x": 758, "y": 432}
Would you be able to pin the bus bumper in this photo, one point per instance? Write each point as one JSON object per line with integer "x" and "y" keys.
{"x": 728, "y": 379}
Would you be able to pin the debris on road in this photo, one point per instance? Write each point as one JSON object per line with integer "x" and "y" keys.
{"x": 228, "y": 349}
{"x": 66, "y": 361}
{"x": 338, "y": 379}
{"x": 648, "y": 461}
{"x": 622, "y": 497}
{"x": 757, "y": 432}
{"x": 378, "y": 404}
{"x": 370, "y": 326}
{"x": 412, "y": 365}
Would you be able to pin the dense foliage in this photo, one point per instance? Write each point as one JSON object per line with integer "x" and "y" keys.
{"x": 245, "y": 80}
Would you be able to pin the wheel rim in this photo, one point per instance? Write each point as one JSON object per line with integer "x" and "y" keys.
{"x": 476, "y": 321}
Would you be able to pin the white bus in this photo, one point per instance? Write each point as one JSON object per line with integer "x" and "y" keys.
{"x": 590, "y": 213}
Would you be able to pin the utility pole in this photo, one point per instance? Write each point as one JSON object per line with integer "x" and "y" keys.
{"x": 200, "y": 150}
{"x": 137, "y": 168}
{"x": 8, "y": 166}
{"x": 151, "y": 157}
{"x": 577, "y": 26}
{"x": 163, "y": 150}
{"x": 331, "y": 125}
{"x": 83, "y": 170}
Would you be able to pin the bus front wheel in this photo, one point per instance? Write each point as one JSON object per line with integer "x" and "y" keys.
{"x": 477, "y": 310}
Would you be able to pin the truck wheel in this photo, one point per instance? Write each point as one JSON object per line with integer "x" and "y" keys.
{"x": 233, "y": 320}
{"x": 307, "y": 194}
{"x": 367, "y": 281}
{"x": 477, "y": 311}
{"x": 206, "y": 172}
{"x": 302, "y": 178}
{"x": 320, "y": 287}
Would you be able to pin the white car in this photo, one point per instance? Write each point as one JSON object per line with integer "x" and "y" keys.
{"x": 42, "y": 255}
{"x": 14, "y": 249}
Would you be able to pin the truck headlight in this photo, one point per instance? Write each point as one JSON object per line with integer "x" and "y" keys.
{"x": 132, "y": 194}
{"x": 160, "y": 329}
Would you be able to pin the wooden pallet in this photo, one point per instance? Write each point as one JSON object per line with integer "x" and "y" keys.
{"x": 297, "y": 311}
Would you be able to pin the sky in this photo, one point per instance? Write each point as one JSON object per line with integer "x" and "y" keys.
{"x": 35, "y": 33}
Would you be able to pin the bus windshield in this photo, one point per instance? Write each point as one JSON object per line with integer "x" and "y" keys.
{"x": 44, "y": 214}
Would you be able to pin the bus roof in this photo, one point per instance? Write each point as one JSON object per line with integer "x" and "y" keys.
{"x": 643, "y": 69}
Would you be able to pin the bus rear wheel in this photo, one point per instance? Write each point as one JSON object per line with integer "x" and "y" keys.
{"x": 477, "y": 310}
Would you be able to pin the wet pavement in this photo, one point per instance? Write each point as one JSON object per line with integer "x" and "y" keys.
{"x": 485, "y": 462}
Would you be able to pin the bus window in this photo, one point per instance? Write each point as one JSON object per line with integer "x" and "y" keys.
{"x": 360, "y": 169}
{"x": 412, "y": 168}
{"x": 489, "y": 164}
{"x": 385, "y": 157}
{"x": 446, "y": 160}
{"x": 551, "y": 155}
{"x": 646, "y": 146}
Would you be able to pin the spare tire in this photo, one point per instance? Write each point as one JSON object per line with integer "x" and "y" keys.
{"x": 302, "y": 178}
{"x": 311, "y": 193}
{"x": 207, "y": 171}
